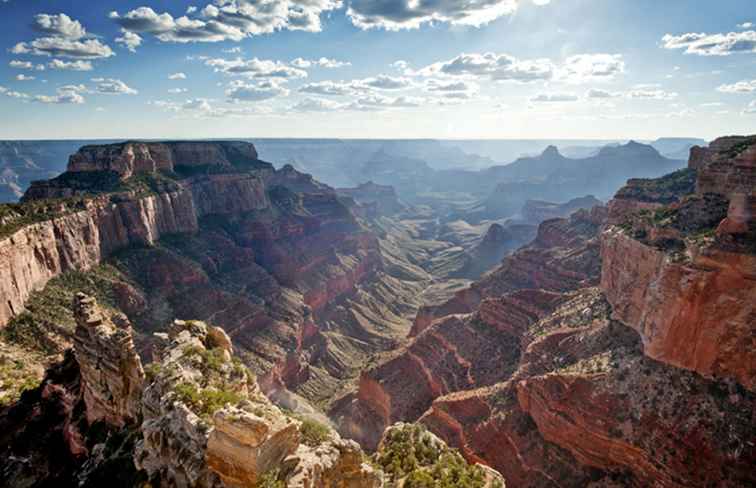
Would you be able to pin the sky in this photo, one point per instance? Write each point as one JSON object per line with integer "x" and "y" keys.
{"x": 459, "y": 69}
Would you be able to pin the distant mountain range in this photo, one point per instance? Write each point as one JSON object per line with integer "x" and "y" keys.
{"x": 421, "y": 170}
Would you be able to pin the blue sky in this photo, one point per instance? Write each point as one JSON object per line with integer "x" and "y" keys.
{"x": 368, "y": 68}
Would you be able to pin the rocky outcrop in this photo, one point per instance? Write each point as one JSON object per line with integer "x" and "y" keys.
{"x": 586, "y": 407}
{"x": 688, "y": 291}
{"x": 129, "y": 158}
{"x": 334, "y": 464}
{"x": 110, "y": 368}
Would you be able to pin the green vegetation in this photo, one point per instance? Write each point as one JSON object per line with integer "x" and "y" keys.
{"x": 15, "y": 378}
{"x": 206, "y": 401}
{"x": 740, "y": 147}
{"x": 667, "y": 189}
{"x": 48, "y": 312}
{"x": 314, "y": 433}
{"x": 14, "y": 216}
{"x": 270, "y": 480}
{"x": 412, "y": 455}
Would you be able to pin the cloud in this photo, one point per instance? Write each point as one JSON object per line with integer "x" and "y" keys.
{"x": 703, "y": 44}
{"x": 746, "y": 25}
{"x": 385, "y": 82}
{"x": 335, "y": 88}
{"x": 751, "y": 108}
{"x": 584, "y": 68}
{"x": 317, "y": 105}
{"x": 14, "y": 94}
{"x": 129, "y": 40}
{"x": 355, "y": 87}
{"x": 66, "y": 48}
{"x": 23, "y": 77}
{"x": 69, "y": 94}
{"x": 60, "y": 25}
{"x": 601, "y": 94}
{"x": 176, "y": 91}
{"x": 400, "y": 64}
{"x": 321, "y": 63}
{"x": 451, "y": 86}
{"x": 554, "y": 98}
{"x": 177, "y": 76}
{"x": 498, "y": 67}
{"x": 77, "y": 65}
{"x": 739, "y": 87}
{"x": 651, "y": 94}
{"x": 227, "y": 20}
{"x": 241, "y": 92}
{"x": 21, "y": 64}
{"x": 411, "y": 14}
{"x": 255, "y": 68}
{"x": 378, "y": 102}
{"x": 110, "y": 86}
{"x": 64, "y": 37}
{"x": 203, "y": 108}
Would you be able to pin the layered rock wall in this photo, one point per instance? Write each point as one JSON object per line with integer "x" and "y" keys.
{"x": 111, "y": 371}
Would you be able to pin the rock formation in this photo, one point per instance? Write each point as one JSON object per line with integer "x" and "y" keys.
{"x": 198, "y": 419}
{"x": 684, "y": 276}
{"x": 110, "y": 369}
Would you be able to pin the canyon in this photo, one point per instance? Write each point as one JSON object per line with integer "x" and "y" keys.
{"x": 203, "y": 315}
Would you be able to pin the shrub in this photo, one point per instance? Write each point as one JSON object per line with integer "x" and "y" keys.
{"x": 314, "y": 433}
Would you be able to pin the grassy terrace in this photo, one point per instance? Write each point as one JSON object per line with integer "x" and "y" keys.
{"x": 667, "y": 189}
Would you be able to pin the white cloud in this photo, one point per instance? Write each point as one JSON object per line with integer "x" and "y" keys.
{"x": 584, "y": 68}
{"x": 69, "y": 94}
{"x": 601, "y": 94}
{"x": 21, "y": 64}
{"x": 498, "y": 67}
{"x": 554, "y": 98}
{"x": 226, "y": 20}
{"x": 177, "y": 76}
{"x": 400, "y": 64}
{"x": 650, "y": 93}
{"x": 704, "y": 44}
{"x": 739, "y": 87}
{"x": 360, "y": 86}
{"x": 746, "y": 25}
{"x": 233, "y": 50}
{"x": 242, "y": 92}
{"x": 328, "y": 88}
{"x": 317, "y": 105}
{"x": 60, "y": 25}
{"x": 77, "y": 65}
{"x": 451, "y": 86}
{"x": 385, "y": 82}
{"x": 255, "y": 68}
{"x": 66, "y": 48}
{"x": 129, "y": 40}
{"x": 751, "y": 108}
{"x": 176, "y": 91}
{"x": 321, "y": 63}
{"x": 23, "y": 77}
{"x": 110, "y": 86}
{"x": 411, "y": 14}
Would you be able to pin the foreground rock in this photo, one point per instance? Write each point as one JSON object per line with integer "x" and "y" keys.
{"x": 196, "y": 419}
